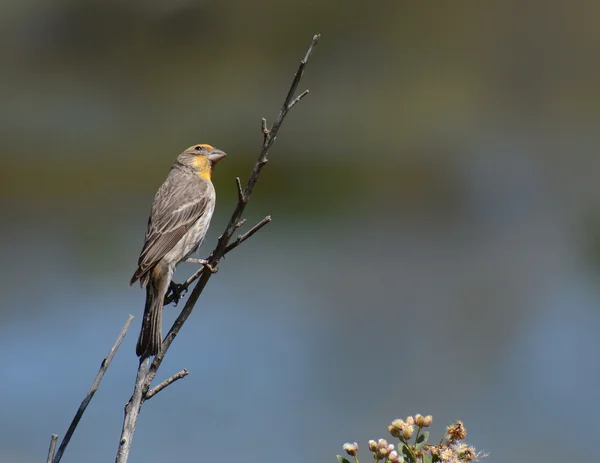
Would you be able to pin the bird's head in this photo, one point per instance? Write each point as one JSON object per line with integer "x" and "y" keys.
{"x": 202, "y": 158}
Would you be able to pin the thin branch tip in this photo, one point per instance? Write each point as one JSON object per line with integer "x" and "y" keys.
{"x": 52, "y": 449}
{"x": 297, "y": 99}
{"x": 310, "y": 50}
{"x": 241, "y": 196}
{"x": 181, "y": 374}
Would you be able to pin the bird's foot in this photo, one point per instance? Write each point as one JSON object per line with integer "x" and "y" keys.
{"x": 205, "y": 263}
{"x": 177, "y": 291}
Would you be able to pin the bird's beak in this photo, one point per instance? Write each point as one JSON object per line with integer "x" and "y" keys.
{"x": 216, "y": 155}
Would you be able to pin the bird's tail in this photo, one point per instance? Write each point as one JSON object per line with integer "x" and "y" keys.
{"x": 150, "y": 340}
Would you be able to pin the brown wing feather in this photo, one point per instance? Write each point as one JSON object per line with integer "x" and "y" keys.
{"x": 178, "y": 204}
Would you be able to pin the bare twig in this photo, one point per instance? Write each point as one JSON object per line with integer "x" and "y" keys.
{"x": 103, "y": 367}
{"x": 297, "y": 99}
{"x": 155, "y": 390}
{"x": 132, "y": 409}
{"x": 145, "y": 376}
{"x": 241, "y": 238}
{"x": 230, "y": 247}
{"x": 52, "y": 449}
{"x": 241, "y": 197}
{"x": 223, "y": 241}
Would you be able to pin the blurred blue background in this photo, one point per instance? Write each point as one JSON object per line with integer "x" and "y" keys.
{"x": 435, "y": 245}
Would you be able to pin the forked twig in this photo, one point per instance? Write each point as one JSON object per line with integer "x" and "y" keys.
{"x": 147, "y": 372}
{"x": 230, "y": 247}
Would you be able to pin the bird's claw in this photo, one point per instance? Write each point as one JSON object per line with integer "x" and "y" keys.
{"x": 177, "y": 292}
{"x": 205, "y": 263}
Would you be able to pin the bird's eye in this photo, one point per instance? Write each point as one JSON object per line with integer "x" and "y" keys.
{"x": 198, "y": 148}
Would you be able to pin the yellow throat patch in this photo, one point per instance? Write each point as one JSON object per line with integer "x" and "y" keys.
{"x": 203, "y": 167}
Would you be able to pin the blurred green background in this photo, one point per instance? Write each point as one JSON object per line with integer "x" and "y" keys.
{"x": 435, "y": 241}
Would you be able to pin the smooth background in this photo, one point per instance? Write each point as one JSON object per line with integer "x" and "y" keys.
{"x": 435, "y": 244}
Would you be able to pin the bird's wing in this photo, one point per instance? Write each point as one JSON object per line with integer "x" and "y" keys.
{"x": 177, "y": 206}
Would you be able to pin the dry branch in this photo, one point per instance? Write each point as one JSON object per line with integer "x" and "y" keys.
{"x": 52, "y": 449}
{"x": 147, "y": 372}
{"x": 234, "y": 244}
{"x": 103, "y": 367}
{"x": 155, "y": 390}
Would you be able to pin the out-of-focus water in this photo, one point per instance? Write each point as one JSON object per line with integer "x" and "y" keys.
{"x": 434, "y": 248}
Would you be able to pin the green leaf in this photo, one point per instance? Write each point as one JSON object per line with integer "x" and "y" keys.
{"x": 427, "y": 458}
{"x": 341, "y": 459}
{"x": 407, "y": 454}
{"x": 422, "y": 440}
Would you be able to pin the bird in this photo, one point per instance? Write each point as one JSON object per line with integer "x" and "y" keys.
{"x": 179, "y": 219}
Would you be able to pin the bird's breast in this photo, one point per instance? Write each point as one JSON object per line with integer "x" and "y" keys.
{"x": 192, "y": 239}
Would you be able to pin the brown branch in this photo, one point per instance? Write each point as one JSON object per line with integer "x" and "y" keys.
{"x": 95, "y": 385}
{"x": 155, "y": 390}
{"x": 230, "y": 247}
{"x": 52, "y": 449}
{"x": 297, "y": 99}
{"x": 241, "y": 238}
{"x": 132, "y": 409}
{"x": 145, "y": 376}
{"x": 241, "y": 197}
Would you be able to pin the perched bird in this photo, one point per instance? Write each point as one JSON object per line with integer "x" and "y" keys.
{"x": 179, "y": 220}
